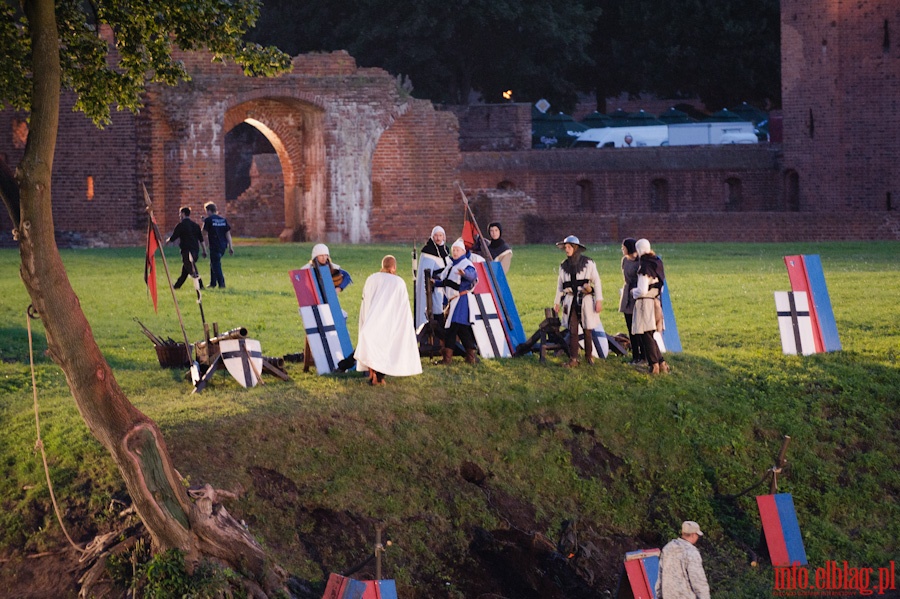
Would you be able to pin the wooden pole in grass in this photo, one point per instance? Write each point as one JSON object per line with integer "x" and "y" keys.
{"x": 779, "y": 465}
{"x": 187, "y": 345}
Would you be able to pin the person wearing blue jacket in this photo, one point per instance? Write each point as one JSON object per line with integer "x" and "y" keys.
{"x": 457, "y": 280}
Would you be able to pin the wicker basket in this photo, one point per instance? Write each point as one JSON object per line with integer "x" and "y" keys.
{"x": 172, "y": 356}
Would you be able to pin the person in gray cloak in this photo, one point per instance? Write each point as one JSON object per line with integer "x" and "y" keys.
{"x": 579, "y": 298}
{"x": 387, "y": 340}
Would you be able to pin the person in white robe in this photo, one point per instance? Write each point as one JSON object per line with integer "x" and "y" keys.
{"x": 435, "y": 256}
{"x": 387, "y": 340}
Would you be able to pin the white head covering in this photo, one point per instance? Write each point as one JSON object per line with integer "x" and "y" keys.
{"x": 319, "y": 249}
{"x": 459, "y": 243}
{"x": 643, "y": 247}
{"x": 438, "y": 229}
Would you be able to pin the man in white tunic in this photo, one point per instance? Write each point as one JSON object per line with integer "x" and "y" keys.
{"x": 387, "y": 340}
{"x": 579, "y": 298}
{"x": 681, "y": 574}
{"x": 435, "y": 256}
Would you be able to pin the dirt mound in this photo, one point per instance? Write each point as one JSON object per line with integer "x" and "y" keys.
{"x": 40, "y": 576}
{"x": 516, "y": 559}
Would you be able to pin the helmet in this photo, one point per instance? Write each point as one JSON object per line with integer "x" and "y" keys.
{"x": 572, "y": 240}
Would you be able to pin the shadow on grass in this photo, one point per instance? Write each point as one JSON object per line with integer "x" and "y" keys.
{"x": 14, "y": 343}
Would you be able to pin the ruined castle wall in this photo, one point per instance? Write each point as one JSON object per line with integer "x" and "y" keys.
{"x": 96, "y": 193}
{"x": 493, "y": 127}
{"x": 414, "y": 172}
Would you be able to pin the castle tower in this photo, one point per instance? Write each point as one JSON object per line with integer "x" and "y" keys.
{"x": 841, "y": 100}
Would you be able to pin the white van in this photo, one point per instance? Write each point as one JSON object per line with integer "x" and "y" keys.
{"x": 623, "y": 137}
{"x": 707, "y": 133}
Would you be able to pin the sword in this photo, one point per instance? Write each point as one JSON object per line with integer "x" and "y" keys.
{"x": 415, "y": 273}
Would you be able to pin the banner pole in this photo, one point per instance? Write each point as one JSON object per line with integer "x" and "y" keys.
{"x": 162, "y": 251}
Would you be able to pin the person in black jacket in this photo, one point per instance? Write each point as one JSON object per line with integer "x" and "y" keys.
{"x": 219, "y": 233}
{"x": 630, "y": 265}
{"x": 189, "y": 237}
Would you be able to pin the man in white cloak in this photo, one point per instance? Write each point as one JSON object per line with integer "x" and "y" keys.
{"x": 435, "y": 256}
{"x": 387, "y": 340}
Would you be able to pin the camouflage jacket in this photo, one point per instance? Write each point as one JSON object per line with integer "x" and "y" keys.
{"x": 681, "y": 574}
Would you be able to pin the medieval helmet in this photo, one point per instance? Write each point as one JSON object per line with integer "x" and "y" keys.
{"x": 572, "y": 240}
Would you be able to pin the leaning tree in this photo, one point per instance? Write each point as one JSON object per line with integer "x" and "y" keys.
{"x": 106, "y": 51}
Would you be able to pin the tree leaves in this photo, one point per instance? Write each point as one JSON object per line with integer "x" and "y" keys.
{"x": 724, "y": 51}
{"x": 109, "y": 49}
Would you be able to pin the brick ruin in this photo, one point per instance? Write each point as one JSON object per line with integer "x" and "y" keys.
{"x": 355, "y": 152}
{"x": 351, "y": 157}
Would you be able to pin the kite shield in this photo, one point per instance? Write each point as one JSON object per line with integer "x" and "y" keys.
{"x": 243, "y": 359}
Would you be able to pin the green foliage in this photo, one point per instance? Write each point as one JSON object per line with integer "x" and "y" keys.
{"x": 534, "y": 46}
{"x": 724, "y": 51}
{"x": 167, "y": 576}
{"x": 625, "y": 454}
{"x": 105, "y": 68}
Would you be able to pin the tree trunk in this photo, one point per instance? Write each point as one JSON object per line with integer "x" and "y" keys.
{"x": 133, "y": 439}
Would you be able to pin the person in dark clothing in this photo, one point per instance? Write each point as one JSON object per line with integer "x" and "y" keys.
{"x": 190, "y": 239}
{"x": 218, "y": 231}
{"x": 500, "y": 251}
{"x": 630, "y": 266}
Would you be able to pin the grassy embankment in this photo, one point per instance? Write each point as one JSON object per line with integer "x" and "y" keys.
{"x": 627, "y": 455}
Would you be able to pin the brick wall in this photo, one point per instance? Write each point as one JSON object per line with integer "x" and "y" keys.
{"x": 326, "y": 120}
{"x": 841, "y": 102}
{"x": 604, "y": 195}
{"x": 414, "y": 170}
{"x": 96, "y": 194}
{"x": 752, "y": 227}
{"x": 259, "y": 211}
{"x": 619, "y": 180}
{"x": 493, "y": 127}
{"x": 363, "y": 162}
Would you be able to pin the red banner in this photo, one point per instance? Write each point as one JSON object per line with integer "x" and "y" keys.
{"x": 150, "y": 262}
{"x": 469, "y": 231}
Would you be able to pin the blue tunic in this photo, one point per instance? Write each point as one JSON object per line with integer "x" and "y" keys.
{"x": 452, "y": 279}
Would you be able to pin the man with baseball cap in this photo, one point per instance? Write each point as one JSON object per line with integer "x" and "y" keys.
{"x": 681, "y": 574}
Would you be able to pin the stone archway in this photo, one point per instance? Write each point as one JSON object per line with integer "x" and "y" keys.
{"x": 295, "y": 130}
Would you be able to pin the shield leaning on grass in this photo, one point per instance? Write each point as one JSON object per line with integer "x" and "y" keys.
{"x": 243, "y": 359}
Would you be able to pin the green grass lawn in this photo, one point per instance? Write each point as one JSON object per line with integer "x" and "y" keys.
{"x": 627, "y": 455}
